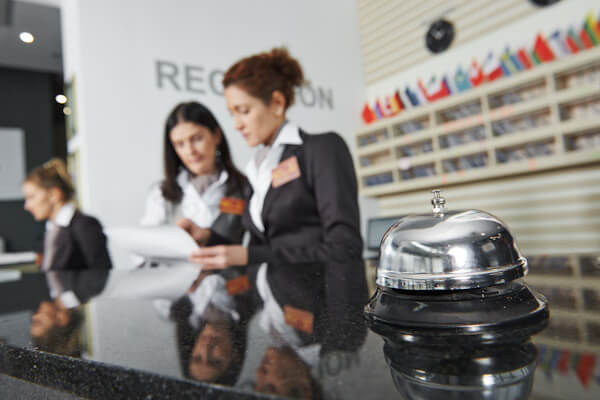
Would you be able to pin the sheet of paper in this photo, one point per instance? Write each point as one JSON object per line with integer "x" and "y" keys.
{"x": 10, "y": 275}
{"x": 17, "y": 258}
{"x": 161, "y": 243}
{"x": 151, "y": 283}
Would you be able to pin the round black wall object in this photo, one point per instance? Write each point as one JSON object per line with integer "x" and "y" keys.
{"x": 544, "y": 3}
{"x": 439, "y": 36}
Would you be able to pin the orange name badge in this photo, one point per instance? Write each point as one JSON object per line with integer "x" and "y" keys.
{"x": 231, "y": 205}
{"x": 286, "y": 171}
{"x": 237, "y": 285}
{"x": 299, "y": 319}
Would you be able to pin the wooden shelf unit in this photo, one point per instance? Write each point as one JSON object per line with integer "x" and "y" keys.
{"x": 541, "y": 119}
{"x": 571, "y": 283}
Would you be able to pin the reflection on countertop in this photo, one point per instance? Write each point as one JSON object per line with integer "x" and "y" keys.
{"x": 209, "y": 332}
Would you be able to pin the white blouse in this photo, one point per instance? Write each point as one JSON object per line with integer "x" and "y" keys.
{"x": 201, "y": 209}
{"x": 260, "y": 176}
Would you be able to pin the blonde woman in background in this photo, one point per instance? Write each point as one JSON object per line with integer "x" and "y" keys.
{"x": 72, "y": 239}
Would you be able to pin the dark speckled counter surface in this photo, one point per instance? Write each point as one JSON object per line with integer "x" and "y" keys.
{"x": 129, "y": 342}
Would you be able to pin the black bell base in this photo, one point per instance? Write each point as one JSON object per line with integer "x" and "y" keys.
{"x": 508, "y": 313}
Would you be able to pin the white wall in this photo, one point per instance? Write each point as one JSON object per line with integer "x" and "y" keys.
{"x": 111, "y": 48}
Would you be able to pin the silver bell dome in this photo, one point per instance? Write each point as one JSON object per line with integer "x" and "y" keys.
{"x": 448, "y": 250}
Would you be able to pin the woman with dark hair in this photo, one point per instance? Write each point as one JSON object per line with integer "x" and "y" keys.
{"x": 73, "y": 240}
{"x": 302, "y": 212}
{"x": 202, "y": 189}
{"x": 211, "y": 322}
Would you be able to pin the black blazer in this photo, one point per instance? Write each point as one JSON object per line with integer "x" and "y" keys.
{"x": 227, "y": 228}
{"x": 81, "y": 245}
{"x": 85, "y": 284}
{"x": 312, "y": 239}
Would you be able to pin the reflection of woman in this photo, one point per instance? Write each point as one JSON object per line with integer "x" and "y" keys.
{"x": 211, "y": 323}
{"x": 56, "y": 325}
{"x": 72, "y": 240}
{"x": 202, "y": 189}
{"x": 282, "y": 372}
{"x": 302, "y": 213}
{"x": 55, "y": 328}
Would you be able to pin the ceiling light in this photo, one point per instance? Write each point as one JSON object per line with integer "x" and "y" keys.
{"x": 67, "y": 110}
{"x": 61, "y": 98}
{"x": 26, "y": 37}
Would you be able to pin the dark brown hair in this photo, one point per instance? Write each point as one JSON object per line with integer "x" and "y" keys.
{"x": 53, "y": 174}
{"x": 262, "y": 74}
{"x": 196, "y": 113}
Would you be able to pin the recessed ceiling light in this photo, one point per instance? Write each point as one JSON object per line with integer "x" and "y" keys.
{"x": 67, "y": 110}
{"x": 61, "y": 98}
{"x": 26, "y": 37}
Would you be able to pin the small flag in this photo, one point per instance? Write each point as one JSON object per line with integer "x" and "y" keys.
{"x": 462, "y": 80}
{"x": 414, "y": 99}
{"x": 436, "y": 89}
{"x": 378, "y": 111}
{"x": 585, "y": 38}
{"x": 524, "y": 58}
{"x": 447, "y": 89}
{"x": 423, "y": 89}
{"x": 572, "y": 41}
{"x": 386, "y": 107}
{"x": 420, "y": 96}
{"x": 542, "y": 349}
{"x": 516, "y": 62}
{"x": 585, "y": 368}
{"x": 576, "y": 38}
{"x": 557, "y": 44}
{"x": 542, "y": 50}
{"x": 534, "y": 58}
{"x": 398, "y": 101}
{"x": 405, "y": 99}
{"x": 492, "y": 68}
{"x": 509, "y": 67}
{"x": 597, "y": 373}
{"x": 592, "y": 28}
{"x": 575, "y": 360}
{"x": 392, "y": 107}
{"x": 553, "y": 363}
{"x": 476, "y": 74}
{"x": 368, "y": 115}
{"x": 505, "y": 69}
{"x": 563, "y": 362}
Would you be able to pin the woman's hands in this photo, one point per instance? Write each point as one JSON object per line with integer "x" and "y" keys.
{"x": 200, "y": 235}
{"x": 215, "y": 257}
{"x": 220, "y": 257}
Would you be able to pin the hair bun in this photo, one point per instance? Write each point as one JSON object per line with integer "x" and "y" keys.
{"x": 262, "y": 74}
{"x": 281, "y": 61}
{"x": 53, "y": 174}
{"x": 59, "y": 167}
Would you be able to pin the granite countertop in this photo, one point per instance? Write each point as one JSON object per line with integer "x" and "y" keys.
{"x": 172, "y": 333}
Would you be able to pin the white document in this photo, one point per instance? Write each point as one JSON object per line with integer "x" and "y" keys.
{"x": 17, "y": 258}
{"x": 160, "y": 243}
{"x": 10, "y": 275}
{"x": 150, "y": 283}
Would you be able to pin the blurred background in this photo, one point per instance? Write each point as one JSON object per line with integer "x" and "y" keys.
{"x": 495, "y": 102}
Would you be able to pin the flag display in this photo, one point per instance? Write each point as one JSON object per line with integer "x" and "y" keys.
{"x": 543, "y": 49}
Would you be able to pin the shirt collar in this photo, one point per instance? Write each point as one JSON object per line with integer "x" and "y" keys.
{"x": 290, "y": 134}
{"x": 63, "y": 217}
{"x": 184, "y": 177}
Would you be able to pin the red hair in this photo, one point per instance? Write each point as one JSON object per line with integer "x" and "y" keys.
{"x": 262, "y": 74}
